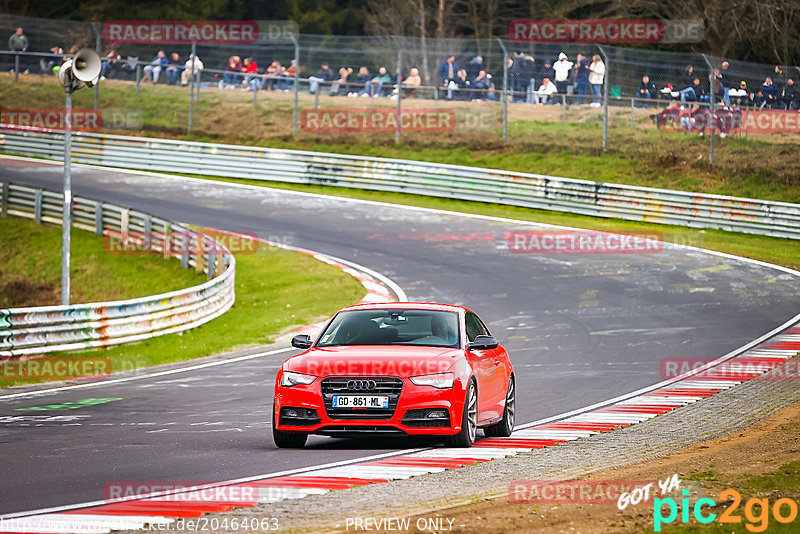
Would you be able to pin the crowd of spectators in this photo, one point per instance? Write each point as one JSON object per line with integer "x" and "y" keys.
{"x": 577, "y": 80}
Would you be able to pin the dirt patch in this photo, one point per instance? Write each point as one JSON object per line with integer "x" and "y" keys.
{"x": 708, "y": 468}
{"x": 21, "y": 293}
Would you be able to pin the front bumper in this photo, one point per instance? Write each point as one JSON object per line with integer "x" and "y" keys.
{"x": 410, "y": 413}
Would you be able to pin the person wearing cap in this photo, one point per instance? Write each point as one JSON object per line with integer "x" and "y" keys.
{"x": 323, "y": 75}
{"x": 546, "y": 91}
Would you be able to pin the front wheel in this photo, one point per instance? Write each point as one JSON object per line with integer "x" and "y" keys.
{"x": 469, "y": 420}
{"x": 504, "y": 427}
{"x": 287, "y": 440}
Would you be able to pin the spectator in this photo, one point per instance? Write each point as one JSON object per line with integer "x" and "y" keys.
{"x": 483, "y": 87}
{"x": 778, "y": 78}
{"x": 563, "y": 67}
{"x": 288, "y": 75}
{"x": 546, "y": 71}
{"x": 250, "y": 71}
{"x": 339, "y": 87}
{"x": 515, "y": 74}
{"x": 362, "y": 79}
{"x": 458, "y": 89}
{"x": 109, "y": 66}
{"x": 546, "y": 91}
{"x": 232, "y": 73}
{"x": 271, "y": 76}
{"x": 686, "y": 79}
{"x": 527, "y": 74}
{"x": 647, "y": 90}
{"x": 725, "y": 79}
{"x": 174, "y": 69}
{"x": 18, "y": 43}
{"x": 581, "y": 77}
{"x": 695, "y": 92}
{"x": 158, "y": 63}
{"x": 324, "y": 74}
{"x": 411, "y": 83}
{"x": 768, "y": 96}
{"x": 374, "y": 87}
{"x": 46, "y": 64}
{"x": 448, "y": 70}
{"x": 791, "y": 96}
{"x": 597, "y": 73}
{"x": 474, "y": 67}
{"x": 193, "y": 64}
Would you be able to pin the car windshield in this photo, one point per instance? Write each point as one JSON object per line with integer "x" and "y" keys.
{"x": 392, "y": 327}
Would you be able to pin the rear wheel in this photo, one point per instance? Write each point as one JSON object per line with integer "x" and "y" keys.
{"x": 469, "y": 420}
{"x": 287, "y": 440}
{"x": 505, "y": 426}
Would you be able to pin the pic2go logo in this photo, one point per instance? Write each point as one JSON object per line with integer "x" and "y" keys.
{"x": 756, "y": 511}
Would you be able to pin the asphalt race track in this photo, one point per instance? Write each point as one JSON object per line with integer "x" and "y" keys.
{"x": 580, "y": 329}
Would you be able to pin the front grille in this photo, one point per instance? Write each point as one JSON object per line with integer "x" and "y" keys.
{"x": 358, "y": 430}
{"x": 381, "y": 385}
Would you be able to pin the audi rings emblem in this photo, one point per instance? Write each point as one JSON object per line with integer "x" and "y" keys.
{"x": 361, "y": 385}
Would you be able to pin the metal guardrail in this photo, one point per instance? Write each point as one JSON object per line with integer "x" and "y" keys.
{"x": 39, "y": 330}
{"x": 778, "y": 219}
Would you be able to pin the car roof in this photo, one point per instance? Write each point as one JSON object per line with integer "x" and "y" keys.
{"x": 406, "y": 306}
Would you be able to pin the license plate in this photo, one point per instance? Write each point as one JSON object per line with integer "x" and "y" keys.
{"x": 360, "y": 401}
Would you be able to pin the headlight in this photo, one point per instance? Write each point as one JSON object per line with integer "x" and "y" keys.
{"x": 290, "y": 379}
{"x": 439, "y": 380}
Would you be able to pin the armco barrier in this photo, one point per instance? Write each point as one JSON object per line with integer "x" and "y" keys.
{"x": 39, "y": 330}
{"x": 585, "y": 197}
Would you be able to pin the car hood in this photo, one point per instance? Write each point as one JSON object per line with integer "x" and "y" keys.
{"x": 369, "y": 360}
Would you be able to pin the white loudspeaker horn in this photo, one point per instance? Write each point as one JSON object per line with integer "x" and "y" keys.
{"x": 83, "y": 68}
{"x": 86, "y": 66}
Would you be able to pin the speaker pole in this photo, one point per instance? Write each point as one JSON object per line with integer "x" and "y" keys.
{"x": 66, "y": 214}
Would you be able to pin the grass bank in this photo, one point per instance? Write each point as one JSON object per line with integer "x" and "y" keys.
{"x": 538, "y": 142}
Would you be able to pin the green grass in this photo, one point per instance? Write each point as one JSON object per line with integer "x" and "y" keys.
{"x": 784, "y": 252}
{"x": 275, "y": 290}
{"x": 538, "y": 142}
{"x": 30, "y": 268}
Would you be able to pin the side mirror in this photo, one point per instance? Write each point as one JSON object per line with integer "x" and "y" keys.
{"x": 483, "y": 343}
{"x": 303, "y": 341}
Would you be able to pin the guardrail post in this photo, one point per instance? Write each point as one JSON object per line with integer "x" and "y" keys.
{"x": 98, "y": 218}
{"x": 316, "y": 99}
{"x": 436, "y": 98}
{"x": 198, "y": 254}
{"x": 138, "y": 76}
{"x": 37, "y": 206}
{"x": 16, "y": 67}
{"x": 504, "y": 106}
{"x": 191, "y": 87}
{"x": 746, "y": 116}
{"x": 167, "y": 245}
{"x": 148, "y": 231}
{"x": 211, "y": 262}
{"x": 4, "y": 199}
{"x": 632, "y": 105}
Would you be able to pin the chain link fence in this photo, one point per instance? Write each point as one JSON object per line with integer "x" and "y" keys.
{"x": 429, "y": 90}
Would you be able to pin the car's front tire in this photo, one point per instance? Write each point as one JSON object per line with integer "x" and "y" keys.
{"x": 287, "y": 440}
{"x": 504, "y": 427}
{"x": 469, "y": 420}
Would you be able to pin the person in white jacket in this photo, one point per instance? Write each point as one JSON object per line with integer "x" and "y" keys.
{"x": 545, "y": 93}
{"x": 562, "y": 67}
{"x": 193, "y": 63}
{"x": 597, "y": 72}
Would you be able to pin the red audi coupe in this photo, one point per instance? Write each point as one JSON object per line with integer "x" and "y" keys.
{"x": 402, "y": 368}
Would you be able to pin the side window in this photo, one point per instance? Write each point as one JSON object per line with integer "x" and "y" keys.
{"x": 474, "y": 327}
